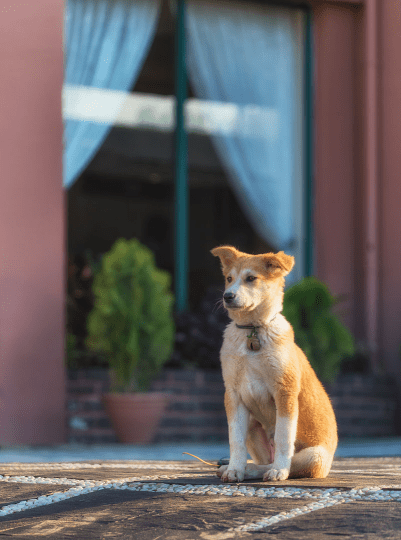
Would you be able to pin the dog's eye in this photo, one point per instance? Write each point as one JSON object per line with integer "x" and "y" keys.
{"x": 229, "y": 279}
{"x": 250, "y": 278}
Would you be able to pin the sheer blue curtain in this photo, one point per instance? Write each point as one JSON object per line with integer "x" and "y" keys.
{"x": 247, "y": 55}
{"x": 106, "y": 43}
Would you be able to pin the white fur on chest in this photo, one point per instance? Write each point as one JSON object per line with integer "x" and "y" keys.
{"x": 235, "y": 353}
{"x": 253, "y": 374}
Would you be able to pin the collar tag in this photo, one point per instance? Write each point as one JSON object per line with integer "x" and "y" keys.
{"x": 253, "y": 342}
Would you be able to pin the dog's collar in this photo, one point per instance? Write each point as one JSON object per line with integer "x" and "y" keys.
{"x": 247, "y": 326}
{"x": 252, "y": 326}
{"x": 253, "y": 342}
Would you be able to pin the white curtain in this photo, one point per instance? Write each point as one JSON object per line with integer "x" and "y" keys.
{"x": 106, "y": 43}
{"x": 247, "y": 55}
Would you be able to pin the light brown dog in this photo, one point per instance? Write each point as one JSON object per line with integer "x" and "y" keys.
{"x": 277, "y": 409}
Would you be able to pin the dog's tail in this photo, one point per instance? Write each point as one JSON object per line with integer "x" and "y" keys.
{"x": 312, "y": 462}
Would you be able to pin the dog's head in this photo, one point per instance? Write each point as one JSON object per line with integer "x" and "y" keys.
{"x": 253, "y": 280}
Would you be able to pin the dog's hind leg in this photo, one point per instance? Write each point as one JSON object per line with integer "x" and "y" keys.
{"x": 311, "y": 462}
{"x": 259, "y": 446}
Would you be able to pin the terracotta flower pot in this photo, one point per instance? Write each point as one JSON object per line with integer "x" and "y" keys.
{"x": 135, "y": 416}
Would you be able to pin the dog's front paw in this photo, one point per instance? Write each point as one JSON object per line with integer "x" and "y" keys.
{"x": 274, "y": 475}
{"x": 230, "y": 475}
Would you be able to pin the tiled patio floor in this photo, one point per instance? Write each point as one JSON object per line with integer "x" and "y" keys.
{"x": 177, "y": 500}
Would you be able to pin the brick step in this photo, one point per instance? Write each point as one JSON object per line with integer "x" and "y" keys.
{"x": 364, "y": 406}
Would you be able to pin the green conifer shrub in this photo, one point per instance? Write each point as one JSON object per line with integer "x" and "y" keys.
{"x": 318, "y": 331}
{"x": 132, "y": 320}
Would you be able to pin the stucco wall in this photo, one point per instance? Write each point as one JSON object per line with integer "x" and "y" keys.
{"x": 357, "y": 167}
{"x": 334, "y": 149}
{"x": 390, "y": 183}
{"x": 32, "y": 379}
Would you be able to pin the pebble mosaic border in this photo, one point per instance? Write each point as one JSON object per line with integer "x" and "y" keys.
{"x": 105, "y": 464}
{"x": 319, "y": 498}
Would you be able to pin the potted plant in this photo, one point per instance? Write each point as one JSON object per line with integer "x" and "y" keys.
{"x": 132, "y": 323}
{"x": 318, "y": 330}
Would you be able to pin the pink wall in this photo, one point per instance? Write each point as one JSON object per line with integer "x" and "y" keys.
{"x": 334, "y": 150}
{"x": 32, "y": 230}
{"x": 390, "y": 182}
{"x": 357, "y": 167}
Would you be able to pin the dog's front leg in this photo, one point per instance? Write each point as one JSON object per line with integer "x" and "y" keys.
{"x": 284, "y": 436}
{"x": 238, "y": 420}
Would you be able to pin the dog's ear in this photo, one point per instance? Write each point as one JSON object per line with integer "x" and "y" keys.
{"x": 279, "y": 262}
{"x": 227, "y": 255}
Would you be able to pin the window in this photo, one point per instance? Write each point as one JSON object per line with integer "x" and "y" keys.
{"x": 247, "y": 163}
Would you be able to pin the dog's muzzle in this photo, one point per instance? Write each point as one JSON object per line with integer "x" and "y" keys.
{"x": 228, "y": 297}
{"x": 230, "y": 300}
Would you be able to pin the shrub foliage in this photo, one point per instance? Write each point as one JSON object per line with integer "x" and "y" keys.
{"x": 318, "y": 331}
{"x": 132, "y": 320}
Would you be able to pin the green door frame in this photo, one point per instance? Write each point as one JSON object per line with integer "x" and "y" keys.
{"x": 181, "y": 259}
{"x": 308, "y": 147}
{"x": 181, "y": 206}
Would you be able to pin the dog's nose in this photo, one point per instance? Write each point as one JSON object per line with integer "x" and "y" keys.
{"x": 228, "y": 297}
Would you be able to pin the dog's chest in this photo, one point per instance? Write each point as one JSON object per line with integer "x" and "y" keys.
{"x": 237, "y": 359}
{"x": 253, "y": 374}
{"x": 256, "y": 392}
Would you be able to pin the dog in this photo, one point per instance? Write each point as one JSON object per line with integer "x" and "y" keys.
{"x": 277, "y": 410}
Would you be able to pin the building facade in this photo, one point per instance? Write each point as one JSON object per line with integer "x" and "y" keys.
{"x": 356, "y": 119}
